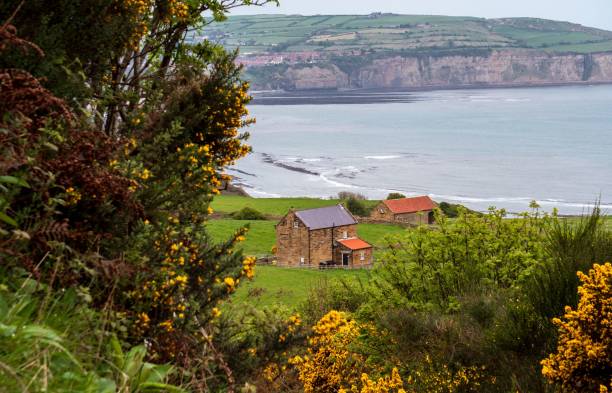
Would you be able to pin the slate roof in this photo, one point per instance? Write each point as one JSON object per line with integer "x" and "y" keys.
{"x": 326, "y": 217}
{"x": 355, "y": 243}
{"x": 410, "y": 205}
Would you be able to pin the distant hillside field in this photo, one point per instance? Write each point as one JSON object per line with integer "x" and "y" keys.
{"x": 390, "y": 32}
{"x": 378, "y": 51}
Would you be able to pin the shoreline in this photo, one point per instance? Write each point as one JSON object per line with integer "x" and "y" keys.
{"x": 511, "y": 214}
{"x": 385, "y": 95}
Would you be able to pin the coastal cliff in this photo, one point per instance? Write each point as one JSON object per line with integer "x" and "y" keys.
{"x": 494, "y": 68}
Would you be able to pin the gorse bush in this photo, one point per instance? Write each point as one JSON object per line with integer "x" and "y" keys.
{"x": 582, "y": 361}
{"x": 107, "y": 169}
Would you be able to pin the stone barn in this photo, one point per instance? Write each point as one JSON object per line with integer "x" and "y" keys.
{"x": 417, "y": 210}
{"x": 325, "y": 236}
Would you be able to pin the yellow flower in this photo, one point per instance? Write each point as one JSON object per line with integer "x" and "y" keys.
{"x": 230, "y": 283}
{"x": 145, "y": 174}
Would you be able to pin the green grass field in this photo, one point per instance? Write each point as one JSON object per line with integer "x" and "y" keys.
{"x": 262, "y": 236}
{"x": 271, "y": 206}
{"x": 284, "y": 286}
{"x": 259, "y": 239}
{"x": 288, "y": 287}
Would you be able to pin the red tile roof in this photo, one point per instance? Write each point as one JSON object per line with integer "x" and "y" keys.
{"x": 410, "y": 205}
{"x": 354, "y": 243}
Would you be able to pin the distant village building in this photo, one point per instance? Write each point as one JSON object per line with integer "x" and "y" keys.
{"x": 417, "y": 210}
{"x": 325, "y": 236}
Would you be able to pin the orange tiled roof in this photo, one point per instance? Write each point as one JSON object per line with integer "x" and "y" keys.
{"x": 354, "y": 243}
{"x": 410, "y": 205}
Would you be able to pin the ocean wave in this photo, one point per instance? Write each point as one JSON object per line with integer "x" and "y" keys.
{"x": 262, "y": 194}
{"x": 326, "y": 179}
{"x": 390, "y": 157}
{"x": 549, "y": 202}
{"x": 462, "y": 198}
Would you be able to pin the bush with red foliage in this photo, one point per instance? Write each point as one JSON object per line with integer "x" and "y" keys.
{"x": 74, "y": 196}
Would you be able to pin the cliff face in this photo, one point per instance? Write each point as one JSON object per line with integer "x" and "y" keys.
{"x": 500, "y": 68}
{"x": 315, "y": 77}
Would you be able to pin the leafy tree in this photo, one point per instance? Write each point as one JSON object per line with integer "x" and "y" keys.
{"x": 356, "y": 207}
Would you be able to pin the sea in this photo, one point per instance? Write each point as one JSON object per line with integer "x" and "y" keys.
{"x": 476, "y": 147}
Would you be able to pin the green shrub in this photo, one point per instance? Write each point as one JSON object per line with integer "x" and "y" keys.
{"x": 572, "y": 247}
{"x": 248, "y": 213}
{"x": 395, "y": 195}
{"x": 346, "y": 195}
{"x": 448, "y": 209}
{"x": 357, "y": 207}
{"x": 325, "y": 296}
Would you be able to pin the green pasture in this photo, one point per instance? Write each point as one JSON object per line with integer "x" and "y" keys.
{"x": 272, "y": 206}
{"x": 287, "y": 286}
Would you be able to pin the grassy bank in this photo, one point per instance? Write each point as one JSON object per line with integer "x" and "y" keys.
{"x": 288, "y": 287}
{"x": 272, "y": 206}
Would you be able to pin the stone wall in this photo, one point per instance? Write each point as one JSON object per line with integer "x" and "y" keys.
{"x": 291, "y": 241}
{"x": 321, "y": 242}
{"x": 381, "y": 212}
{"x": 414, "y": 218}
{"x": 355, "y": 260}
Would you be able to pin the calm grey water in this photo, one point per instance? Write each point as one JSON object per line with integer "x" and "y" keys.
{"x": 481, "y": 148}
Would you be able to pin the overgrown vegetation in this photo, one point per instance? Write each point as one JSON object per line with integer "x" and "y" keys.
{"x": 110, "y": 157}
{"x": 114, "y": 135}
{"x": 467, "y": 306}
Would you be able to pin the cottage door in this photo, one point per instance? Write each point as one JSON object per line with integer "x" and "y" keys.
{"x": 345, "y": 259}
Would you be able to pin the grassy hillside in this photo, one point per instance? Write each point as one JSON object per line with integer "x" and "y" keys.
{"x": 390, "y": 32}
{"x": 274, "y": 285}
{"x": 282, "y": 286}
{"x": 288, "y": 287}
{"x": 261, "y": 236}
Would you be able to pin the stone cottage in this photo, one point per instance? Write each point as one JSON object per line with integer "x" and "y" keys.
{"x": 417, "y": 210}
{"x": 317, "y": 237}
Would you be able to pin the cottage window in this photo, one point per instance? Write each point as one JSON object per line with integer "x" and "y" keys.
{"x": 344, "y": 235}
{"x": 296, "y": 224}
{"x": 362, "y": 256}
{"x": 382, "y": 211}
{"x": 301, "y": 260}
